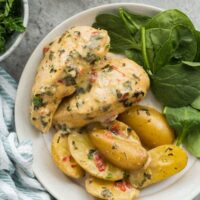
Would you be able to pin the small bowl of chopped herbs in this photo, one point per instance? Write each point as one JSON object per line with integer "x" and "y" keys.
{"x": 13, "y": 23}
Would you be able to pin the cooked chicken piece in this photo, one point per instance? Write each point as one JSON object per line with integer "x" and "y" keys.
{"x": 64, "y": 67}
{"x": 117, "y": 84}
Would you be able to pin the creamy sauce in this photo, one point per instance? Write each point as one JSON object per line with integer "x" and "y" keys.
{"x": 117, "y": 83}
{"x": 64, "y": 67}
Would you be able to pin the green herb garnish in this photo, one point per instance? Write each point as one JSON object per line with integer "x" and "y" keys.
{"x": 37, "y": 102}
{"x": 91, "y": 154}
{"x": 10, "y": 20}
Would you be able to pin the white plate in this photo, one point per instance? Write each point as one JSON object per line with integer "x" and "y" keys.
{"x": 183, "y": 186}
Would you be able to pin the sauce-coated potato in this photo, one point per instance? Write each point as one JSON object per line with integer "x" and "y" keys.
{"x": 90, "y": 159}
{"x": 128, "y": 155}
{"x": 122, "y": 131}
{"x": 62, "y": 157}
{"x": 166, "y": 160}
{"x": 119, "y": 190}
{"x": 149, "y": 124}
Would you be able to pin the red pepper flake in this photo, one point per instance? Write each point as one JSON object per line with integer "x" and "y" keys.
{"x": 115, "y": 68}
{"x": 73, "y": 165}
{"x": 99, "y": 162}
{"x": 66, "y": 158}
{"x": 128, "y": 184}
{"x": 60, "y": 81}
{"x": 93, "y": 76}
{"x": 70, "y": 158}
{"x": 123, "y": 185}
{"x": 109, "y": 134}
{"x": 115, "y": 128}
{"x": 94, "y": 33}
{"x": 45, "y": 50}
{"x": 124, "y": 97}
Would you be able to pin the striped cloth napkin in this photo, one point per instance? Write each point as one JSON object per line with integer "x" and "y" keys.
{"x": 17, "y": 181}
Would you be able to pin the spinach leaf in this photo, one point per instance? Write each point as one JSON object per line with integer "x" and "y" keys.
{"x": 164, "y": 46}
{"x": 197, "y": 58}
{"x": 176, "y": 85}
{"x": 192, "y": 142}
{"x": 135, "y": 55}
{"x": 152, "y": 41}
{"x": 186, "y": 123}
{"x": 169, "y": 18}
{"x": 132, "y": 21}
{"x": 123, "y": 30}
{"x": 184, "y": 120}
{"x": 192, "y": 64}
{"x": 196, "y": 103}
{"x": 181, "y": 45}
{"x": 121, "y": 38}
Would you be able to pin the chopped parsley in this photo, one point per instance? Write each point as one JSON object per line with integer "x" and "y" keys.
{"x": 37, "y": 102}
{"x": 106, "y": 193}
{"x": 107, "y": 68}
{"x": 91, "y": 154}
{"x": 51, "y": 55}
{"x": 69, "y": 80}
{"x": 10, "y": 21}
{"x": 91, "y": 58}
{"x": 109, "y": 176}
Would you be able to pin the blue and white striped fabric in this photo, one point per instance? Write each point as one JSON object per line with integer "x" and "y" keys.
{"x": 17, "y": 181}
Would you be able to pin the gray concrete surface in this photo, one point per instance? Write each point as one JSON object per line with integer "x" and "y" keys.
{"x": 46, "y": 14}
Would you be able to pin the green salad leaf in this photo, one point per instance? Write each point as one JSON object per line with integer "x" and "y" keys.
{"x": 169, "y": 18}
{"x": 133, "y": 22}
{"x": 124, "y": 32}
{"x": 196, "y": 103}
{"x": 197, "y": 58}
{"x": 176, "y": 85}
{"x": 192, "y": 64}
{"x": 192, "y": 142}
{"x": 186, "y": 122}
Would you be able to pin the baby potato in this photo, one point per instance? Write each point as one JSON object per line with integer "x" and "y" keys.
{"x": 149, "y": 124}
{"x": 125, "y": 154}
{"x": 119, "y": 190}
{"x": 165, "y": 161}
{"x": 90, "y": 159}
{"x": 122, "y": 131}
{"x": 62, "y": 157}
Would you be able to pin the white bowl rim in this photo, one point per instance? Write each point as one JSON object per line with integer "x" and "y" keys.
{"x": 21, "y": 35}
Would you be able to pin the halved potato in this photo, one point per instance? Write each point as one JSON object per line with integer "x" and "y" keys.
{"x": 149, "y": 124}
{"x": 122, "y": 131}
{"x": 63, "y": 158}
{"x": 90, "y": 159}
{"x": 166, "y": 160}
{"x": 125, "y": 154}
{"x": 119, "y": 190}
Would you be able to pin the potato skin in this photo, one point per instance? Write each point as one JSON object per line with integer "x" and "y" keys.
{"x": 122, "y": 131}
{"x": 125, "y": 154}
{"x": 149, "y": 124}
{"x": 90, "y": 159}
{"x": 119, "y": 190}
{"x": 62, "y": 157}
{"x": 166, "y": 160}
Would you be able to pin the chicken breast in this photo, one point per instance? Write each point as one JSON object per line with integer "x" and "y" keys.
{"x": 117, "y": 83}
{"x": 66, "y": 62}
